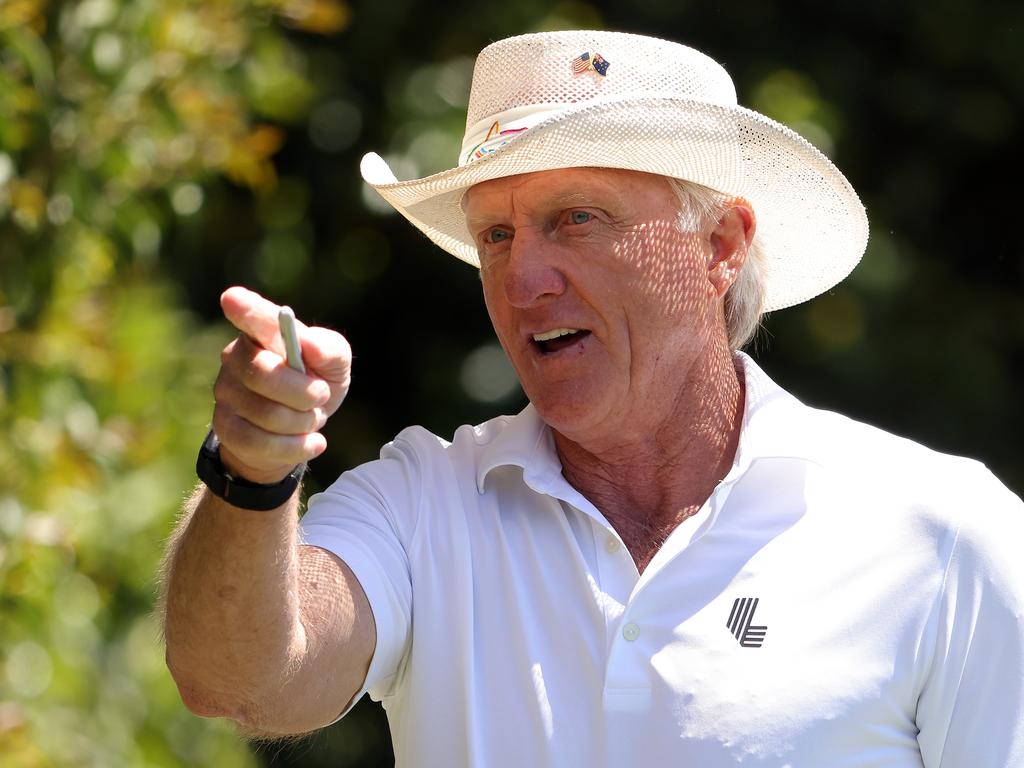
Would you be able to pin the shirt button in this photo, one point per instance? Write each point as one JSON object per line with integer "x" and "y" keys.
{"x": 611, "y": 545}
{"x": 631, "y": 632}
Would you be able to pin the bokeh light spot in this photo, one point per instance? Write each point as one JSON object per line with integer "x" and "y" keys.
{"x": 285, "y": 206}
{"x": 107, "y": 52}
{"x": 363, "y": 255}
{"x": 335, "y": 125}
{"x": 77, "y": 600}
{"x": 6, "y": 168}
{"x": 486, "y": 374}
{"x": 59, "y": 209}
{"x": 187, "y": 199}
{"x": 11, "y": 515}
{"x": 836, "y": 320}
{"x": 146, "y": 238}
{"x": 281, "y": 259}
{"x": 29, "y": 669}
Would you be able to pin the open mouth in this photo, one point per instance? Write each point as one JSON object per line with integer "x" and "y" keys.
{"x": 552, "y": 341}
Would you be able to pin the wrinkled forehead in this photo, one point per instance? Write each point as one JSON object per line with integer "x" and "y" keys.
{"x": 568, "y": 184}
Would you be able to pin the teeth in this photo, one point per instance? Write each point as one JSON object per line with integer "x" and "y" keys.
{"x": 549, "y": 335}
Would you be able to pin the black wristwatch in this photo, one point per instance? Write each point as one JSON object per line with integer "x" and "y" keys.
{"x": 237, "y": 491}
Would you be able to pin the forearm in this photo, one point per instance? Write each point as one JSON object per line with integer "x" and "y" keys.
{"x": 257, "y": 628}
{"x": 232, "y": 621}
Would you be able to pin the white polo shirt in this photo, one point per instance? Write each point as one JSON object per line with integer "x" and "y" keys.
{"x": 844, "y": 598}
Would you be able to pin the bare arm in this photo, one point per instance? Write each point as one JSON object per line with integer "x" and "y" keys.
{"x": 259, "y": 629}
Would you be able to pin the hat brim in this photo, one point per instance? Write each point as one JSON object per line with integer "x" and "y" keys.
{"x": 811, "y": 225}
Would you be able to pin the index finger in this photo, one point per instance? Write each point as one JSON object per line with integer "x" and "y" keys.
{"x": 254, "y": 316}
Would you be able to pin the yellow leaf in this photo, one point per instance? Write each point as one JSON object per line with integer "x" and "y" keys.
{"x": 20, "y": 13}
{"x": 324, "y": 17}
{"x": 28, "y": 203}
{"x": 264, "y": 140}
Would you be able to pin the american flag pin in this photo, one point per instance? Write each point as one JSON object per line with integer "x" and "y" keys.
{"x": 587, "y": 63}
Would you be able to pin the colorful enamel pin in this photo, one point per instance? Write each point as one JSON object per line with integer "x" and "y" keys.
{"x": 494, "y": 140}
{"x": 587, "y": 63}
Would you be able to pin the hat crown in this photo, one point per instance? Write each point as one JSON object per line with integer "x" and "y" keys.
{"x": 537, "y": 71}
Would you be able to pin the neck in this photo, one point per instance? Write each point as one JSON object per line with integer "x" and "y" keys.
{"x": 666, "y": 465}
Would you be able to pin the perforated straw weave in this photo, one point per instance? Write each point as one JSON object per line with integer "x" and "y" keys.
{"x": 661, "y": 108}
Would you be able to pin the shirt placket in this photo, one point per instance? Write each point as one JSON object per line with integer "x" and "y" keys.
{"x": 630, "y": 641}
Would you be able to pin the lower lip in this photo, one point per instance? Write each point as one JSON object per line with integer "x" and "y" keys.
{"x": 576, "y": 348}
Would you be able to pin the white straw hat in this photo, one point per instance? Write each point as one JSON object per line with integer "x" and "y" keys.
{"x": 613, "y": 100}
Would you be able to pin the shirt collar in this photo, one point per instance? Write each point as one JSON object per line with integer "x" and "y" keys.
{"x": 526, "y": 442}
{"x": 774, "y": 422}
{"x": 771, "y": 427}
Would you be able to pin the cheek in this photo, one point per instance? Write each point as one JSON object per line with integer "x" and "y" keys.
{"x": 667, "y": 267}
{"x": 488, "y": 286}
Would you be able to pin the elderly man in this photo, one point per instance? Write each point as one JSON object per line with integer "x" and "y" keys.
{"x": 665, "y": 558}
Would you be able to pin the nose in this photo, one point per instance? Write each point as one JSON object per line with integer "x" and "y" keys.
{"x": 532, "y": 274}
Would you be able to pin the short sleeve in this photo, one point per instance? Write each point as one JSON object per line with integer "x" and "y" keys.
{"x": 366, "y": 518}
{"x": 971, "y": 709}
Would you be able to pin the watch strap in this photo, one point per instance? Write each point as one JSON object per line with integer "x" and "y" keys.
{"x": 237, "y": 491}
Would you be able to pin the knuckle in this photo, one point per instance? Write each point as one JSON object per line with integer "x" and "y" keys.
{"x": 263, "y": 363}
{"x": 270, "y": 415}
{"x": 316, "y": 393}
{"x": 315, "y": 419}
{"x": 275, "y": 449}
{"x": 222, "y": 422}
{"x": 285, "y": 421}
{"x": 223, "y": 387}
{"x": 233, "y": 430}
{"x": 236, "y": 355}
{"x": 253, "y": 372}
{"x": 345, "y": 348}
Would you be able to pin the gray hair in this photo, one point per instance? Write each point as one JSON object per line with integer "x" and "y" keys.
{"x": 744, "y": 301}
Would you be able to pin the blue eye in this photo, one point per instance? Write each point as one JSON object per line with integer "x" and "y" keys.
{"x": 580, "y": 217}
{"x": 497, "y": 235}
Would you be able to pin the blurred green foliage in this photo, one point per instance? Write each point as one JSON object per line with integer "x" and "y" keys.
{"x": 113, "y": 118}
{"x": 152, "y": 153}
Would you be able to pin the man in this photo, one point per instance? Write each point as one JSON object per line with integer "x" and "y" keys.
{"x": 665, "y": 558}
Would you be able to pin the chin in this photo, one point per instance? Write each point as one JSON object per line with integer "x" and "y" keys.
{"x": 572, "y": 415}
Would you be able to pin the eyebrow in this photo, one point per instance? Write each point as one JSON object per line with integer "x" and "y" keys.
{"x": 580, "y": 196}
{"x": 557, "y": 200}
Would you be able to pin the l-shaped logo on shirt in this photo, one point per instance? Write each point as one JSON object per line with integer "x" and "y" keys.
{"x": 740, "y": 623}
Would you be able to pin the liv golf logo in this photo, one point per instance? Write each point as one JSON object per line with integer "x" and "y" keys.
{"x": 741, "y": 624}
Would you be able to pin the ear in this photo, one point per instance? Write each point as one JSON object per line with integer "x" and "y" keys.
{"x": 730, "y": 240}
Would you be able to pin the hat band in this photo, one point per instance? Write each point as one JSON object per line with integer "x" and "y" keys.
{"x": 495, "y": 131}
